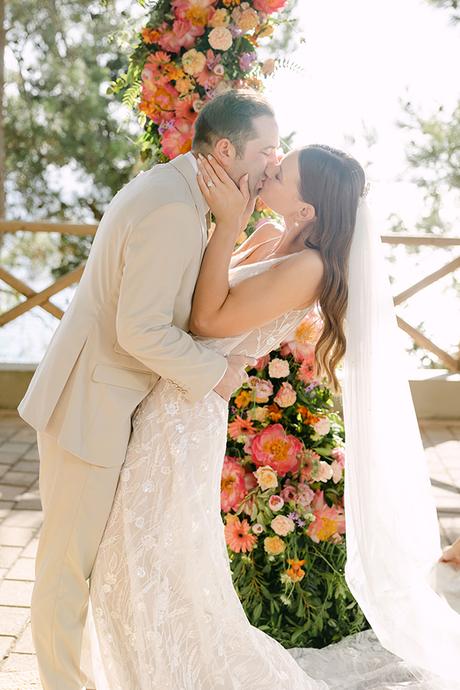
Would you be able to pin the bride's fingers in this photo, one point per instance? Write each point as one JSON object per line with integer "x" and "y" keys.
{"x": 219, "y": 170}
{"x": 209, "y": 171}
{"x": 203, "y": 186}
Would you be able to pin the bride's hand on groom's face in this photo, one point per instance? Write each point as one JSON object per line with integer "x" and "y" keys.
{"x": 228, "y": 201}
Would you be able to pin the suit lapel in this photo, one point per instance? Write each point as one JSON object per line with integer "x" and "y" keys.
{"x": 185, "y": 168}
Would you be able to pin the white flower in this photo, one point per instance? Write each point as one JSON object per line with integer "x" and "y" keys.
{"x": 278, "y": 368}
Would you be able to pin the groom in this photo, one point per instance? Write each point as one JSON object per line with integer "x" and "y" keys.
{"x": 125, "y": 328}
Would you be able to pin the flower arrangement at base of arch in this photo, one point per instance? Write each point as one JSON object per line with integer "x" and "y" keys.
{"x": 282, "y": 502}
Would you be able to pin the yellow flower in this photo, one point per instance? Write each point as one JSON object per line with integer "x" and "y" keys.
{"x": 274, "y": 545}
{"x": 247, "y": 20}
{"x": 172, "y": 71}
{"x": 193, "y": 61}
{"x": 184, "y": 85}
{"x": 243, "y": 399}
{"x": 327, "y": 529}
{"x": 219, "y": 18}
{"x": 265, "y": 31}
{"x": 266, "y": 477}
{"x": 306, "y": 332}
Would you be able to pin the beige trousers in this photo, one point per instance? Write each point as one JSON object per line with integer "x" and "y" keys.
{"x": 76, "y": 498}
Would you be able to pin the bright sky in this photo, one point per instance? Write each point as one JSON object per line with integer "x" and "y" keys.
{"x": 359, "y": 59}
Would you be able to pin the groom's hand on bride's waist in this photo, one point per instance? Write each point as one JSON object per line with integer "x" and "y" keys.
{"x": 234, "y": 376}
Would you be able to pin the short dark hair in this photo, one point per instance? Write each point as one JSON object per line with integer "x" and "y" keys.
{"x": 230, "y": 116}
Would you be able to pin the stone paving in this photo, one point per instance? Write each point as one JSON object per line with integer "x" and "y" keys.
{"x": 20, "y": 519}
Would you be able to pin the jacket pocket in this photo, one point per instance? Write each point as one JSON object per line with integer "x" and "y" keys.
{"x": 126, "y": 378}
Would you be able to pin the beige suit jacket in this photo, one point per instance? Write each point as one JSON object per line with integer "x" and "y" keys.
{"x": 127, "y": 323}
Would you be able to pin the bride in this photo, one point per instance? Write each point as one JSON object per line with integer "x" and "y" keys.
{"x": 164, "y": 612}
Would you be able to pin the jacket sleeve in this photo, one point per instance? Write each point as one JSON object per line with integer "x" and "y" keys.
{"x": 158, "y": 250}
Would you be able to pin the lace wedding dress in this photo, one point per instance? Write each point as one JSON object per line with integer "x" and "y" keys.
{"x": 164, "y": 614}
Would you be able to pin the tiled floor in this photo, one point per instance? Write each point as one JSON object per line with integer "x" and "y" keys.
{"x": 20, "y": 518}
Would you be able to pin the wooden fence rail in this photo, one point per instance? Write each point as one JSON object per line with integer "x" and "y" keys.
{"x": 42, "y": 298}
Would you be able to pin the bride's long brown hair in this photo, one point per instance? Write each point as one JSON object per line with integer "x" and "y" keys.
{"x": 332, "y": 182}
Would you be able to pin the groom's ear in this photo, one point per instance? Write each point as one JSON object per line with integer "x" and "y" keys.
{"x": 225, "y": 152}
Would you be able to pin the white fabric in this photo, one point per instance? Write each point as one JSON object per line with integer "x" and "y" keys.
{"x": 165, "y": 613}
{"x": 392, "y": 530}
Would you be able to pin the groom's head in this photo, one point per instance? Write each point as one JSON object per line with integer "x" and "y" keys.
{"x": 240, "y": 130}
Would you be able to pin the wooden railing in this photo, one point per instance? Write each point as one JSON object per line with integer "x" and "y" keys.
{"x": 42, "y": 298}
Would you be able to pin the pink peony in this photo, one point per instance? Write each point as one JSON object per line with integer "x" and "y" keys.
{"x": 286, "y": 395}
{"x": 182, "y": 35}
{"x": 275, "y": 448}
{"x": 177, "y": 139}
{"x": 278, "y": 368}
{"x": 275, "y": 503}
{"x": 232, "y": 485}
{"x": 329, "y": 524}
{"x": 306, "y": 371}
{"x": 269, "y": 6}
{"x": 196, "y": 11}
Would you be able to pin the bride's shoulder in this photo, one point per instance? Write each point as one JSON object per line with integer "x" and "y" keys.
{"x": 267, "y": 230}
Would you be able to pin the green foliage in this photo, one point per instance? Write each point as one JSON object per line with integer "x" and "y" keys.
{"x": 67, "y": 150}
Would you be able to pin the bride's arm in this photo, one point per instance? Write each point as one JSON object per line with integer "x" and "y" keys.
{"x": 221, "y": 311}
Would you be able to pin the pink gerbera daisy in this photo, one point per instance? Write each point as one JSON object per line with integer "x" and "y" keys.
{"x": 237, "y": 535}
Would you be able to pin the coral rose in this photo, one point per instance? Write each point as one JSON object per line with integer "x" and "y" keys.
{"x": 232, "y": 484}
{"x": 275, "y": 503}
{"x": 282, "y": 525}
{"x": 220, "y": 38}
{"x": 286, "y": 395}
